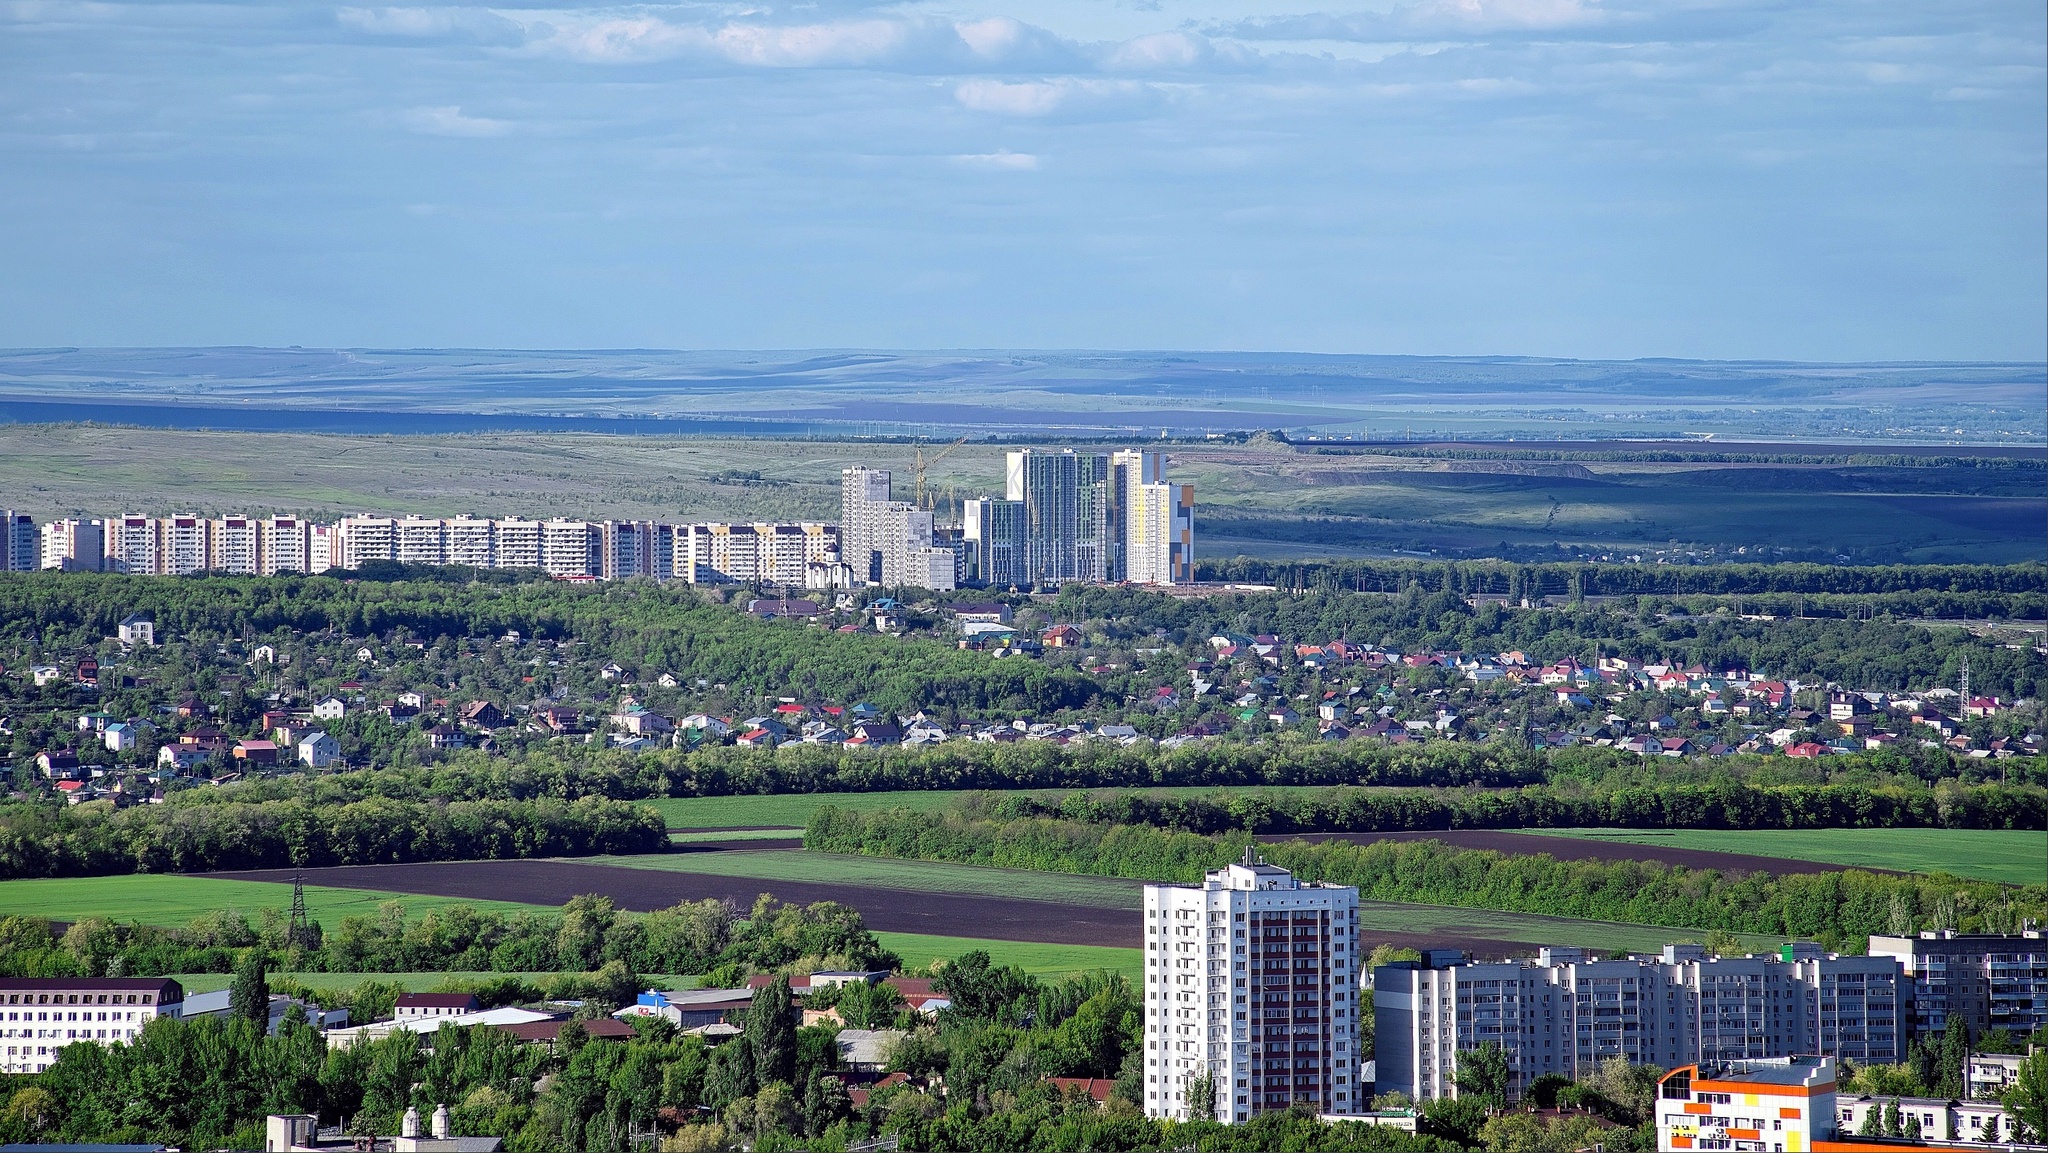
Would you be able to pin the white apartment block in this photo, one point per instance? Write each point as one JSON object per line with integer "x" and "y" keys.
{"x": 469, "y": 541}
{"x": 1252, "y": 980}
{"x": 906, "y": 537}
{"x": 1159, "y": 534}
{"x": 187, "y": 544}
{"x": 41, "y": 1015}
{"x": 1563, "y": 1013}
{"x": 420, "y": 540}
{"x": 517, "y": 543}
{"x": 863, "y": 494}
{"x": 571, "y": 548}
{"x": 287, "y": 545}
{"x": 74, "y": 545}
{"x": 323, "y": 547}
{"x": 366, "y": 538}
{"x": 1991, "y": 981}
{"x": 133, "y": 545}
{"x": 21, "y": 549}
{"x": 237, "y": 545}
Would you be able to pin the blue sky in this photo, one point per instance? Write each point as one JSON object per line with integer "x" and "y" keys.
{"x": 1750, "y": 178}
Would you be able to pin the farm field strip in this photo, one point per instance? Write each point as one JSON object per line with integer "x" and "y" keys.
{"x": 1040, "y": 960}
{"x": 793, "y": 810}
{"x": 2015, "y": 856}
{"x": 890, "y": 873}
{"x": 714, "y": 836}
{"x": 171, "y": 900}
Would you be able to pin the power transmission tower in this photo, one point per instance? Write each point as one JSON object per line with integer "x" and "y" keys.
{"x": 299, "y": 932}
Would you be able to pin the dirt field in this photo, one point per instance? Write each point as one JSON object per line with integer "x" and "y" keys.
{"x": 1569, "y": 849}
{"x": 889, "y": 910}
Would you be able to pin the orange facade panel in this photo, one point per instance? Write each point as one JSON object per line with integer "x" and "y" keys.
{"x": 1789, "y": 1114}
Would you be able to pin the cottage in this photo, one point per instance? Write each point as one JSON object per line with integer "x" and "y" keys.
{"x": 136, "y": 630}
{"x": 319, "y": 751}
{"x": 256, "y": 753}
{"x": 482, "y": 715}
{"x": 445, "y": 737}
{"x": 1062, "y": 637}
{"x": 329, "y": 709}
{"x": 59, "y": 765}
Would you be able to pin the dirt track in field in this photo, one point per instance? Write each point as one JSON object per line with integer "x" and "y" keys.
{"x": 1582, "y": 849}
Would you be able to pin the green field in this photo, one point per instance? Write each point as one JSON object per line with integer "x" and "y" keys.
{"x": 159, "y": 899}
{"x": 2018, "y": 857}
{"x": 702, "y": 836}
{"x": 770, "y": 865}
{"x": 1042, "y": 960}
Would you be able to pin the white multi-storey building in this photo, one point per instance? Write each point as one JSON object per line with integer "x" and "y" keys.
{"x": 571, "y": 548}
{"x": 237, "y": 545}
{"x": 1251, "y": 981}
{"x": 323, "y": 547}
{"x": 1159, "y": 534}
{"x": 1066, "y": 498}
{"x": 467, "y": 540}
{"x": 863, "y": 494}
{"x": 75, "y": 545}
{"x": 1563, "y": 1013}
{"x": 366, "y": 538}
{"x": 133, "y": 545}
{"x": 41, "y": 1015}
{"x": 993, "y": 533}
{"x": 1991, "y": 981}
{"x": 287, "y": 545}
{"x": 186, "y": 545}
{"x": 517, "y": 543}
{"x": 421, "y": 540}
{"x": 906, "y": 538}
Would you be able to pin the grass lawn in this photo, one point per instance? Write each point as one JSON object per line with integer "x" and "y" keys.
{"x": 1041, "y": 960}
{"x": 2017, "y": 857}
{"x": 160, "y": 899}
{"x": 699, "y": 836}
{"x": 889, "y": 873}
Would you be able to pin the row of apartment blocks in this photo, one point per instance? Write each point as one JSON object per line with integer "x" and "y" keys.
{"x": 1563, "y": 1013}
{"x": 806, "y": 553}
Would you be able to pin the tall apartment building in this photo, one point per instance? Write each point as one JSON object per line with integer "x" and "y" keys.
{"x": 323, "y": 547}
{"x": 992, "y": 532}
{"x": 41, "y": 1015}
{"x": 517, "y": 543}
{"x": 1066, "y": 513}
{"x": 187, "y": 545}
{"x": 420, "y": 540}
{"x": 736, "y": 553}
{"x": 74, "y": 546}
{"x": 1251, "y": 979}
{"x": 468, "y": 540}
{"x": 366, "y": 538}
{"x": 286, "y": 545}
{"x": 1562, "y": 1013}
{"x": 21, "y": 548}
{"x": 133, "y": 545}
{"x": 1991, "y": 981}
{"x": 863, "y": 495}
{"x": 1159, "y": 534}
{"x": 571, "y": 548}
{"x": 236, "y": 545}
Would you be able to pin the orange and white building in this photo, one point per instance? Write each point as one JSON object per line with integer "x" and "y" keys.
{"x": 1780, "y": 1105}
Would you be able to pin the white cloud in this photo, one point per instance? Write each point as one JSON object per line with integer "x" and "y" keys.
{"x": 1035, "y": 98}
{"x": 432, "y": 23}
{"x": 448, "y": 120}
{"x": 1160, "y": 50}
{"x": 1001, "y": 159}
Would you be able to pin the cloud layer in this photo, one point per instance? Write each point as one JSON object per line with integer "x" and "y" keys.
{"x": 1842, "y": 178}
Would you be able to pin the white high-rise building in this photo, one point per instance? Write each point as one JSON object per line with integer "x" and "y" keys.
{"x": 517, "y": 543}
{"x": 133, "y": 545}
{"x": 421, "y": 540}
{"x": 470, "y": 541}
{"x": 186, "y": 541}
{"x": 993, "y": 532}
{"x": 571, "y": 548}
{"x": 1563, "y": 1013}
{"x": 323, "y": 547}
{"x": 863, "y": 495}
{"x": 628, "y": 549}
{"x": 21, "y": 550}
{"x": 906, "y": 536}
{"x": 1251, "y": 981}
{"x": 287, "y": 545}
{"x": 367, "y": 538}
{"x": 39, "y": 1016}
{"x": 75, "y": 546}
{"x": 237, "y": 545}
{"x": 1159, "y": 534}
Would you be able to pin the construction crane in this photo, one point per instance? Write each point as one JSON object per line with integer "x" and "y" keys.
{"x": 922, "y": 464}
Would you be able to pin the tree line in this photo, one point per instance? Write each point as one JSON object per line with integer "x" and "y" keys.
{"x": 1838, "y": 908}
{"x": 51, "y": 839}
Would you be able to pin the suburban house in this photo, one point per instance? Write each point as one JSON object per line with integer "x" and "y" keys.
{"x": 319, "y": 751}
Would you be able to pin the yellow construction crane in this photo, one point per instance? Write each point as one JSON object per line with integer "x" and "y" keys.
{"x": 923, "y": 464}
